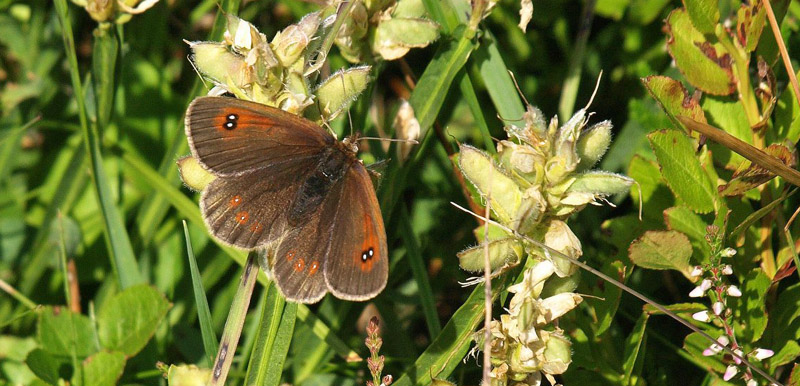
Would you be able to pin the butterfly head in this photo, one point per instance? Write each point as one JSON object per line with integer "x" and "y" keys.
{"x": 351, "y": 143}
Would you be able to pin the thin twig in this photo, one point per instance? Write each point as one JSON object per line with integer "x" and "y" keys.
{"x": 776, "y": 32}
{"x": 487, "y": 290}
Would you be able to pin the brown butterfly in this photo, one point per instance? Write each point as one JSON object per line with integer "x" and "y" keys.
{"x": 285, "y": 183}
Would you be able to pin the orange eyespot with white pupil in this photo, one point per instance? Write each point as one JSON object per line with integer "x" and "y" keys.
{"x": 242, "y": 217}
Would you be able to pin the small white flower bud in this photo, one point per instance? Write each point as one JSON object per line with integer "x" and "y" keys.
{"x": 739, "y": 353}
{"x": 727, "y": 270}
{"x": 723, "y": 340}
{"x": 701, "y": 316}
{"x": 718, "y": 307}
{"x": 730, "y": 372}
{"x": 734, "y": 291}
{"x": 752, "y": 382}
{"x": 701, "y": 289}
{"x": 763, "y": 353}
{"x": 728, "y": 252}
{"x": 697, "y": 271}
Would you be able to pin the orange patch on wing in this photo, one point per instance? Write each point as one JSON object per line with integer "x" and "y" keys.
{"x": 235, "y": 201}
{"x": 299, "y": 265}
{"x": 242, "y": 217}
{"x": 313, "y": 268}
{"x": 290, "y": 255}
{"x": 257, "y": 227}
{"x": 369, "y": 253}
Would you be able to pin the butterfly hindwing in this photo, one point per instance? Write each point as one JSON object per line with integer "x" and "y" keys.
{"x": 232, "y": 137}
{"x": 357, "y": 262}
{"x": 250, "y": 210}
{"x": 297, "y": 260}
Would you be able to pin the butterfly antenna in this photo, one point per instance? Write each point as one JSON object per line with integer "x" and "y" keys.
{"x": 411, "y": 141}
{"x": 191, "y": 63}
{"x": 596, "y": 86}
{"x": 550, "y": 252}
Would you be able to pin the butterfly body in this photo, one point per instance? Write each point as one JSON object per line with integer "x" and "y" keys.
{"x": 287, "y": 185}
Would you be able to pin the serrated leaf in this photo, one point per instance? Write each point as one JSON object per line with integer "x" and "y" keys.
{"x": 101, "y": 369}
{"x": 662, "y": 250}
{"x": 750, "y": 20}
{"x": 673, "y": 97}
{"x": 682, "y": 170}
{"x": 128, "y": 320}
{"x": 706, "y": 66}
{"x": 63, "y": 333}
{"x": 703, "y": 13}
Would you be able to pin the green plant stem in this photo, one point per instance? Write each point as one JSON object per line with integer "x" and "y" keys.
{"x": 119, "y": 246}
{"x": 17, "y": 295}
{"x": 203, "y": 311}
{"x": 741, "y": 64}
{"x": 235, "y": 321}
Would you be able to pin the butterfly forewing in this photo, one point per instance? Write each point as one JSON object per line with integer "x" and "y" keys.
{"x": 233, "y": 137}
{"x": 357, "y": 264}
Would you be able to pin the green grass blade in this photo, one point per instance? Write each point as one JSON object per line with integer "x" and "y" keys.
{"x": 468, "y": 92}
{"x": 120, "y": 249}
{"x": 498, "y": 82}
{"x": 280, "y": 347}
{"x": 235, "y": 322}
{"x": 434, "y": 84}
{"x": 420, "y": 274}
{"x": 271, "y": 314}
{"x": 203, "y": 312}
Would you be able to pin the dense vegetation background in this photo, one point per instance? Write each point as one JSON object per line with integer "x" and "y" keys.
{"x": 58, "y": 220}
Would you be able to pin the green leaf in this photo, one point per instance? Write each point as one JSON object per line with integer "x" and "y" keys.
{"x": 749, "y": 311}
{"x": 101, "y": 369}
{"x": 750, "y": 20}
{"x": 683, "y": 220}
{"x": 706, "y": 66}
{"x": 418, "y": 269}
{"x": 703, "y": 13}
{"x": 728, "y": 115}
{"x": 128, "y": 320}
{"x": 783, "y": 332}
{"x": 612, "y": 9}
{"x": 64, "y": 333}
{"x": 48, "y": 367}
{"x": 787, "y": 117}
{"x": 695, "y": 344}
{"x": 608, "y": 297}
{"x": 395, "y": 36}
{"x": 600, "y": 183}
{"x": 655, "y": 195}
{"x": 662, "y": 250}
{"x": 682, "y": 170}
